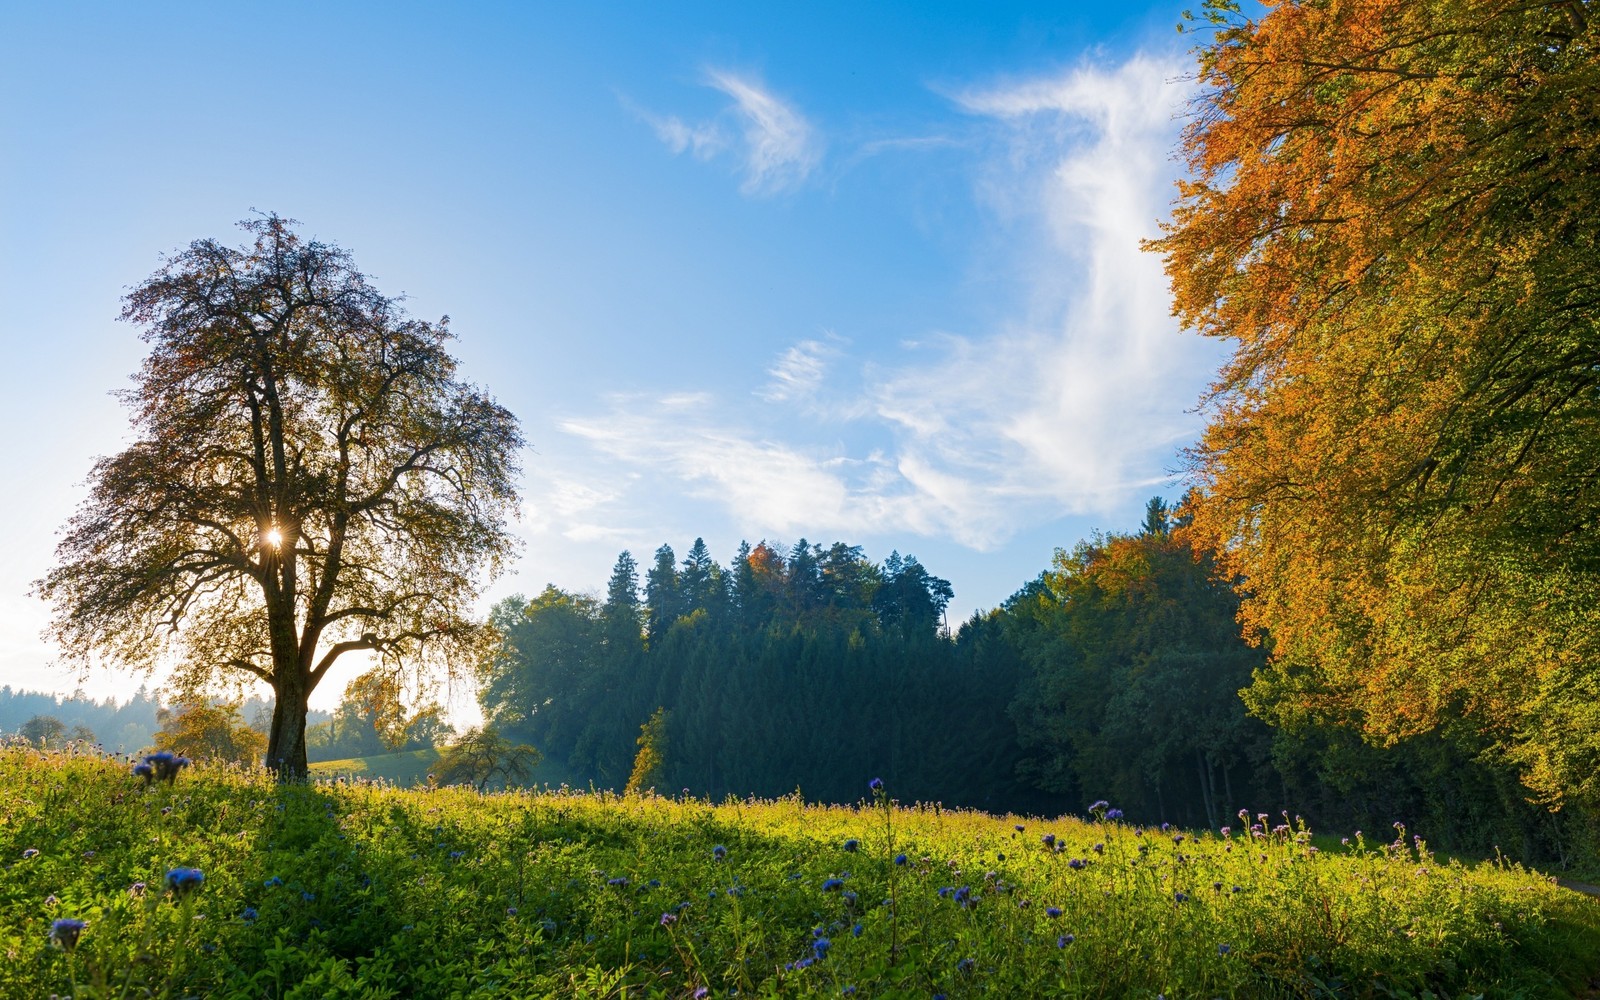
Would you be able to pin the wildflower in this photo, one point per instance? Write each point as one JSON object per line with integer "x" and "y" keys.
{"x": 821, "y": 946}
{"x": 511, "y": 911}
{"x": 1216, "y": 886}
{"x": 1166, "y": 827}
{"x": 668, "y": 919}
{"x": 1064, "y": 940}
{"x": 899, "y": 859}
{"x": 1052, "y": 911}
{"x": 64, "y": 932}
{"x": 136, "y": 890}
{"x": 875, "y": 785}
{"x": 1100, "y": 806}
{"x": 1180, "y": 897}
{"x": 619, "y": 881}
{"x": 848, "y": 991}
{"x": 1049, "y": 840}
{"x": 852, "y": 845}
{"x": 701, "y": 993}
{"x": 1020, "y": 828}
{"x": 1226, "y": 831}
{"x": 832, "y": 885}
{"x": 30, "y": 852}
{"x": 166, "y": 765}
{"x": 457, "y": 855}
{"x": 947, "y": 890}
{"x": 1113, "y": 814}
{"x": 309, "y": 897}
{"x": 1099, "y": 848}
{"x": 1077, "y": 864}
{"x": 654, "y": 883}
{"x": 249, "y": 914}
{"x": 1177, "y": 839}
{"x": 719, "y": 853}
{"x": 1345, "y": 841}
{"x": 965, "y": 965}
{"x": 849, "y": 897}
{"x": 856, "y": 930}
{"x": 1223, "y": 949}
{"x": 144, "y": 771}
{"x": 273, "y": 881}
{"x": 183, "y": 881}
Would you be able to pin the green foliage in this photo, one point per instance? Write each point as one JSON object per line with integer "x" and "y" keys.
{"x": 43, "y": 731}
{"x": 411, "y": 767}
{"x": 1135, "y": 663}
{"x": 361, "y": 890}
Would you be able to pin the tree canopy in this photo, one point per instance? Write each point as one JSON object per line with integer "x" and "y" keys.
{"x": 1391, "y": 213}
{"x": 309, "y": 477}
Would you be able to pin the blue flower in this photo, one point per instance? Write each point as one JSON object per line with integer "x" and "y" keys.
{"x": 899, "y": 859}
{"x": 30, "y": 852}
{"x": 1052, "y": 911}
{"x": 273, "y": 881}
{"x": 144, "y": 771}
{"x": 309, "y": 897}
{"x": 965, "y": 965}
{"x": 1100, "y": 806}
{"x": 248, "y": 914}
{"x": 1077, "y": 864}
{"x": 1020, "y": 828}
{"x": 719, "y": 852}
{"x": 852, "y": 845}
{"x": 821, "y": 946}
{"x": 618, "y": 881}
{"x": 856, "y": 930}
{"x": 1223, "y": 949}
{"x": 849, "y": 897}
{"x": 511, "y": 911}
{"x": 183, "y": 881}
{"x": 64, "y": 932}
{"x": 848, "y": 991}
{"x": 832, "y": 884}
{"x": 1113, "y": 814}
{"x": 668, "y": 919}
{"x": 1064, "y": 940}
{"x": 1179, "y": 897}
{"x": 876, "y": 785}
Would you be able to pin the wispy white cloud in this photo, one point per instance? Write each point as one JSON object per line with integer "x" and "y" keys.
{"x": 777, "y": 148}
{"x": 1074, "y": 400}
{"x": 799, "y": 371}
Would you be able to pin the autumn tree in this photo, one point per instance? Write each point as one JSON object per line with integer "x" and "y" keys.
{"x": 309, "y": 477}
{"x": 1391, "y": 215}
{"x": 204, "y": 729}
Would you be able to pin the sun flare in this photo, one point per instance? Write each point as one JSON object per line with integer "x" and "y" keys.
{"x": 272, "y": 537}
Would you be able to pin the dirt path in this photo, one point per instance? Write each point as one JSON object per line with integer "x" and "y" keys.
{"x": 1584, "y": 887}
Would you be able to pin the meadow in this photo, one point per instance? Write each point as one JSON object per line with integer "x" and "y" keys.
{"x": 221, "y": 883}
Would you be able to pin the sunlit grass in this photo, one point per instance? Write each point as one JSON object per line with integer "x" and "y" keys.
{"x": 360, "y": 889}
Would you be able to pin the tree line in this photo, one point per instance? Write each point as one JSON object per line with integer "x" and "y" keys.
{"x": 1115, "y": 674}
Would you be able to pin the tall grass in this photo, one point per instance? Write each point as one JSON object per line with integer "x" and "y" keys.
{"x": 357, "y": 889}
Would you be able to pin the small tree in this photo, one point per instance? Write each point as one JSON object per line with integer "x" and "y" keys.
{"x": 309, "y": 477}
{"x": 43, "y": 730}
{"x": 199, "y": 729}
{"x": 479, "y": 755}
{"x": 652, "y": 755}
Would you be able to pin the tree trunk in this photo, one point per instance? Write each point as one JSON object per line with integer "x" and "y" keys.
{"x": 1205, "y": 789}
{"x": 286, "y": 743}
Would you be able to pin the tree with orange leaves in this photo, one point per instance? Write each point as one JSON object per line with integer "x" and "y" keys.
{"x": 1391, "y": 213}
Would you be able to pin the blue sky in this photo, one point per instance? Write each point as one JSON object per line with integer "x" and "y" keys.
{"x": 859, "y": 272}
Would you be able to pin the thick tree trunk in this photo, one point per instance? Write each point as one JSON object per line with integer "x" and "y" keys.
{"x": 286, "y": 743}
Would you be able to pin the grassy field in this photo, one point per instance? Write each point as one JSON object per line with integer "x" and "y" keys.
{"x": 403, "y": 769}
{"x": 359, "y": 889}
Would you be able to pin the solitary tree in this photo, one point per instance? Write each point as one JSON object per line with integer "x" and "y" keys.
{"x": 309, "y": 477}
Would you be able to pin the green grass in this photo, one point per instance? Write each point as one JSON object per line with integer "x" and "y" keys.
{"x": 360, "y": 889}
{"x": 403, "y": 769}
